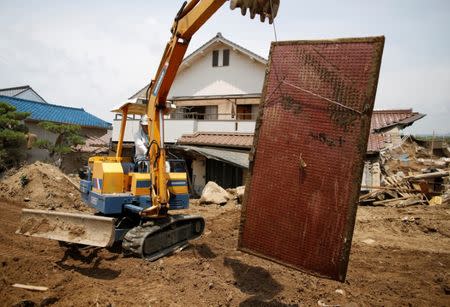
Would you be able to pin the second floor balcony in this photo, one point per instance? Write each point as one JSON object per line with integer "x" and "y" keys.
{"x": 178, "y": 124}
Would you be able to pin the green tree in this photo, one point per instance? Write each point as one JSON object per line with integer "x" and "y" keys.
{"x": 68, "y": 137}
{"x": 12, "y": 136}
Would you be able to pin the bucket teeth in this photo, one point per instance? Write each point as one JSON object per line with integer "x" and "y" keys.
{"x": 257, "y": 7}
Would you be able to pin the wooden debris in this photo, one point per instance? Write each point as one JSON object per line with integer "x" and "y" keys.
{"x": 30, "y": 287}
{"x": 429, "y": 175}
{"x": 406, "y": 185}
{"x": 387, "y": 201}
{"x": 74, "y": 184}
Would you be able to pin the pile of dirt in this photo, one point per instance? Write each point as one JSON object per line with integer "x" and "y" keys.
{"x": 42, "y": 186}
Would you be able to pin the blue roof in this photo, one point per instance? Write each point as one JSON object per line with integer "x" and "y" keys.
{"x": 54, "y": 113}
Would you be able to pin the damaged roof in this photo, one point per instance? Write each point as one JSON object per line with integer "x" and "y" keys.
{"x": 384, "y": 119}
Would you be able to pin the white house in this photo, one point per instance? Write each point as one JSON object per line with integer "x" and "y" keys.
{"x": 217, "y": 88}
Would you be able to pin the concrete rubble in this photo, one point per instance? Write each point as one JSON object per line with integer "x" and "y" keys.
{"x": 214, "y": 194}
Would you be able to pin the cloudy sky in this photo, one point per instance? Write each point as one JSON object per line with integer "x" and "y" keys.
{"x": 95, "y": 54}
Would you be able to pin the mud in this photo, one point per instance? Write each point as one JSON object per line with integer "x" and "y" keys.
{"x": 399, "y": 257}
{"x": 42, "y": 186}
{"x": 33, "y": 226}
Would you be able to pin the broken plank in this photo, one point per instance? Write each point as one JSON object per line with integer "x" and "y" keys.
{"x": 30, "y": 287}
{"x": 428, "y": 176}
{"x": 382, "y": 202}
{"x": 379, "y": 189}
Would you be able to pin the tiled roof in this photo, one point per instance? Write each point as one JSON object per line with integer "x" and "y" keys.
{"x": 220, "y": 139}
{"x": 55, "y": 113}
{"x": 382, "y": 119}
{"x": 94, "y": 144}
{"x": 376, "y": 142}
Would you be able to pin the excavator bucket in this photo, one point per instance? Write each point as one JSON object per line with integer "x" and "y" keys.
{"x": 68, "y": 227}
{"x": 263, "y": 8}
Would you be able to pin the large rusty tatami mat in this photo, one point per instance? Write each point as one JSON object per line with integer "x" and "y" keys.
{"x": 310, "y": 141}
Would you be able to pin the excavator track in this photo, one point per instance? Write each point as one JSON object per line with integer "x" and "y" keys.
{"x": 161, "y": 237}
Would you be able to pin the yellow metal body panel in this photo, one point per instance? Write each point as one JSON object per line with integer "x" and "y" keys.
{"x": 177, "y": 176}
{"x": 177, "y": 189}
{"x": 126, "y": 182}
{"x": 107, "y": 159}
{"x": 107, "y": 177}
{"x": 140, "y": 184}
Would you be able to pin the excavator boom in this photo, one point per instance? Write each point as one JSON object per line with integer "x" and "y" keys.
{"x": 188, "y": 20}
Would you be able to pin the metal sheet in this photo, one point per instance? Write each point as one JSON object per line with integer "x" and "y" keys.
{"x": 237, "y": 158}
{"x": 310, "y": 141}
{"x": 68, "y": 227}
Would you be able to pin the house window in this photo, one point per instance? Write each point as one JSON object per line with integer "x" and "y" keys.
{"x": 244, "y": 111}
{"x": 224, "y": 59}
{"x": 196, "y": 112}
{"x": 215, "y": 59}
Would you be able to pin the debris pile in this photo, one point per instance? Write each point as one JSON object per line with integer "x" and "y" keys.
{"x": 42, "y": 186}
{"x": 410, "y": 175}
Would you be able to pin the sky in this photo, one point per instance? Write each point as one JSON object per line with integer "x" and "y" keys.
{"x": 95, "y": 54}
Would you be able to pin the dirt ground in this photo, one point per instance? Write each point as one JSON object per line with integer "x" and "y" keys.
{"x": 400, "y": 257}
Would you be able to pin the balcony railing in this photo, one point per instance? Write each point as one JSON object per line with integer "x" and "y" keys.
{"x": 200, "y": 116}
{"x": 188, "y": 123}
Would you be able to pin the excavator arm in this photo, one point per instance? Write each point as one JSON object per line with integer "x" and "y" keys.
{"x": 189, "y": 19}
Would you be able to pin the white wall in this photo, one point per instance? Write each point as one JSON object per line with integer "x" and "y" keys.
{"x": 242, "y": 76}
{"x": 36, "y": 154}
{"x": 198, "y": 175}
{"x": 29, "y": 95}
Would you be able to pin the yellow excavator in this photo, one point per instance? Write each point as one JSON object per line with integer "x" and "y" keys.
{"x": 133, "y": 207}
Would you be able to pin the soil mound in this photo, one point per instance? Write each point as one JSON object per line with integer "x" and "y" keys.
{"x": 42, "y": 186}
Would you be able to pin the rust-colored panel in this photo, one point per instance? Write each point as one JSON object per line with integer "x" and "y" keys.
{"x": 310, "y": 141}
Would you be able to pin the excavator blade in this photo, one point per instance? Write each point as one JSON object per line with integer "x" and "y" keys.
{"x": 68, "y": 227}
{"x": 263, "y": 8}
